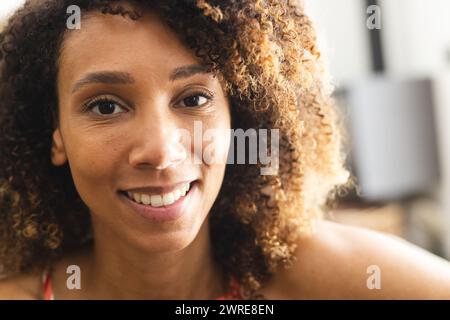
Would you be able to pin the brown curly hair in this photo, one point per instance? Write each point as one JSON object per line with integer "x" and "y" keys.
{"x": 266, "y": 54}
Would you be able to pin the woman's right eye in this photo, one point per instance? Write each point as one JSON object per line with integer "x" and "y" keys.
{"x": 105, "y": 106}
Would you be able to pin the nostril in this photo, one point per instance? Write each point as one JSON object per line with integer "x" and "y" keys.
{"x": 158, "y": 157}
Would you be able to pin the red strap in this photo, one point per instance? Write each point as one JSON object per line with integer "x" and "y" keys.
{"x": 47, "y": 284}
{"x": 234, "y": 293}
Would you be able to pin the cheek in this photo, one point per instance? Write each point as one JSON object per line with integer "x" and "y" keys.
{"x": 93, "y": 159}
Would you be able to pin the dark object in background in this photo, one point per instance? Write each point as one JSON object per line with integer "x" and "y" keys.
{"x": 392, "y": 129}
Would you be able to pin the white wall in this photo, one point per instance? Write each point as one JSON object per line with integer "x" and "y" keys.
{"x": 343, "y": 37}
{"x": 8, "y": 6}
{"x": 416, "y": 36}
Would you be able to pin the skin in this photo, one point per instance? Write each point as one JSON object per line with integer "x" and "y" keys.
{"x": 133, "y": 254}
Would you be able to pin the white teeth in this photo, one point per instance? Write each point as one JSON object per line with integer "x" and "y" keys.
{"x": 145, "y": 198}
{"x": 156, "y": 201}
{"x": 185, "y": 188}
{"x": 168, "y": 199}
{"x": 177, "y": 194}
{"x": 160, "y": 200}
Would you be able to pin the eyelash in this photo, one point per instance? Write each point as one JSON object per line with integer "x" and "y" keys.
{"x": 89, "y": 106}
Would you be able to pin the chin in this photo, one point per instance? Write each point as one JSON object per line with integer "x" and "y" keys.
{"x": 167, "y": 243}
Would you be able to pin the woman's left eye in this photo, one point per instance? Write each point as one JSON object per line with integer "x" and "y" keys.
{"x": 195, "y": 100}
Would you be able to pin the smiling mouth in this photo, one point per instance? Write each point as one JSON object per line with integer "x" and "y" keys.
{"x": 159, "y": 200}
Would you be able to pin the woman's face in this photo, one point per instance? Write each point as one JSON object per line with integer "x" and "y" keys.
{"x": 129, "y": 93}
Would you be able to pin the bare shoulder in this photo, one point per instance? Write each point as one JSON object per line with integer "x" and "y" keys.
{"x": 20, "y": 287}
{"x": 344, "y": 262}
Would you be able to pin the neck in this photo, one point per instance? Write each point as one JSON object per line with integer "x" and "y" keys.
{"x": 117, "y": 271}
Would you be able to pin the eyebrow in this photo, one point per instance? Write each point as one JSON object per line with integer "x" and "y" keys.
{"x": 108, "y": 77}
{"x": 117, "y": 77}
{"x": 188, "y": 71}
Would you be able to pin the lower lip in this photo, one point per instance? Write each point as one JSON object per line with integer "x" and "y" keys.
{"x": 165, "y": 213}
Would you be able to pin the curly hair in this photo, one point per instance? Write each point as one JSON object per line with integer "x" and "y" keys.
{"x": 266, "y": 54}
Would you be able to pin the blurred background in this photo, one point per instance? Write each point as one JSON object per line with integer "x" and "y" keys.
{"x": 389, "y": 61}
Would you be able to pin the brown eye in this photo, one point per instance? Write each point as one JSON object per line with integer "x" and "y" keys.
{"x": 105, "y": 107}
{"x": 196, "y": 100}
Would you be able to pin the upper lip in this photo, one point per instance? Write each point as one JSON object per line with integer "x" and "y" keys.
{"x": 158, "y": 189}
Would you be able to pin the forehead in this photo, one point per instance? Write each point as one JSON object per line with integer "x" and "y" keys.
{"x": 104, "y": 42}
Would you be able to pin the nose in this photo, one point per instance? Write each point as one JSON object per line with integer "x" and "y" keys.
{"x": 158, "y": 143}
